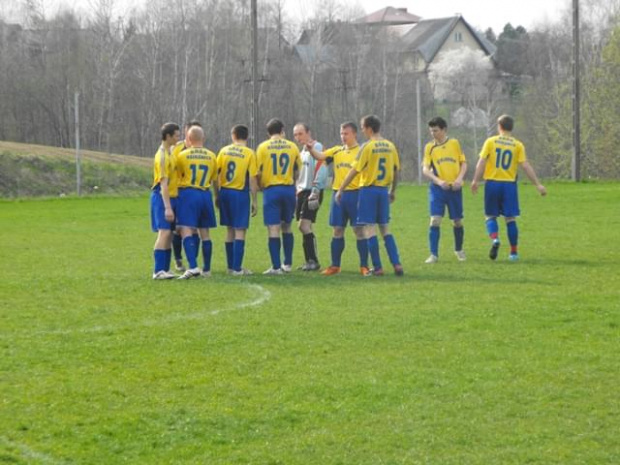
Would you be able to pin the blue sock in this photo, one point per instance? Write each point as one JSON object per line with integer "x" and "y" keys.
{"x": 207, "y": 251}
{"x": 229, "y": 255}
{"x": 238, "y": 250}
{"x": 492, "y": 228}
{"x": 190, "y": 251}
{"x": 160, "y": 260}
{"x": 373, "y": 248}
{"x": 168, "y": 258}
{"x": 177, "y": 246}
{"x": 392, "y": 250}
{"x": 288, "y": 240}
{"x": 513, "y": 233}
{"x": 459, "y": 234}
{"x": 274, "y": 252}
{"x": 337, "y": 248}
{"x": 362, "y": 250}
{"x": 197, "y": 243}
{"x": 433, "y": 238}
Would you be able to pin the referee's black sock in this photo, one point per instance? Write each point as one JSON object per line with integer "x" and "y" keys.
{"x": 310, "y": 247}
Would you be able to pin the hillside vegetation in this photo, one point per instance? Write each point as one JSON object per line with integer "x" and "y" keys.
{"x": 35, "y": 170}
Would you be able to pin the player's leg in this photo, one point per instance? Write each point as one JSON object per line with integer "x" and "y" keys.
{"x": 308, "y": 218}
{"x": 373, "y": 248}
{"x": 455, "y": 210}
{"x": 288, "y": 202}
{"x": 303, "y": 226}
{"x": 206, "y": 222}
{"x": 367, "y": 213}
{"x": 437, "y": 206}
{"x": 161, "y": 250}
{"x": 177, "y": 249}
{"x": 338, "y": 223}
{"x": 207, "y": 251}
{"x": 271, "y": 219}
{"x": 362, "y": 248}
{"x": 492, "y": 208}
{"x": 350, "y": 201}
{"x": 513, "y": 238}
{"x": 336, "y": 249}
{"x": 229, "y": 246}
{"x": 511, "y": 211}
{"x": 383, "y": 220}
{"x": 434, "y": 233}
{"x": 238, "y": 253}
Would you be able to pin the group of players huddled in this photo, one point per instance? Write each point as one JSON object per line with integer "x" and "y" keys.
{"x": 190, "y": 182}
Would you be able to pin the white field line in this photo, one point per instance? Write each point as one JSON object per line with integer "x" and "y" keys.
{"x": 262, "y": 296}
{"x": 27, "y": 453}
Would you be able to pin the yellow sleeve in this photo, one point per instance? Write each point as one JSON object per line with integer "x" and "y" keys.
{"x": 521, "y": 157}
{"x": 426, "y": 161}
{"x": 486, "y": 148}
{"x": 396, "y": 158}
{"x": 252, "y": 166}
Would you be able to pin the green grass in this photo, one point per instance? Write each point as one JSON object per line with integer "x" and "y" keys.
{"x": 476, "y": 362}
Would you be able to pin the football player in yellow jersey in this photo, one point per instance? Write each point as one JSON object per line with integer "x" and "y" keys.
{"x": 237, "y": 180}
{"x": 278, "y": 167}
{"x": 378, "y": 164}
{"x": 177, "y": 241}
{"x": 499, "y": 161}
{"x": 341, "y": 158}
{"x": 197, "y": 170}
{"x": 163, "y": 200}
{"x": 444, "y": 164}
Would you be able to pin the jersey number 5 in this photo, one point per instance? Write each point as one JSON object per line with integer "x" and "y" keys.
{"x": 381, "y": 168}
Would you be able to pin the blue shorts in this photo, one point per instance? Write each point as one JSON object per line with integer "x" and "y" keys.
{"x": 339, "y": 215}
{"x": 439, "y": 199}
{"x": 158, "y": 218}
{"x": 195, "y": 208}
{"x": 373, "y": 206}
{"x": 278, "y": 204}
{"x": 234, "y": 208}
{"x": 500, "y": 198}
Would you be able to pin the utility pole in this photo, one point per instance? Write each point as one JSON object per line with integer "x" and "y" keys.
{"x": 254, "y": 27}
{"x": 419, "y": 127}
{"x": 78, "y": 171}
{"x": 576, "y": 162}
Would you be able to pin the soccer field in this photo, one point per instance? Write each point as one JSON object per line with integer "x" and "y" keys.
{"x": 455, "y": 363}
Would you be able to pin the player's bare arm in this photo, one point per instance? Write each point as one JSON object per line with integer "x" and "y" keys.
{"x": 350, "y": 176}
{"x": 482, "y": 163}
{"x": 253, "y": 191}
{"x": 395, "y": 180}
{"x": 426, "y": 171}
{"x": 315, "y": 153}
{"x": 529, "y": 171}
{"x": 458, "y": 182}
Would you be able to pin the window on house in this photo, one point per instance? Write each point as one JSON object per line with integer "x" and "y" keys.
{"x": 458, "y": 37}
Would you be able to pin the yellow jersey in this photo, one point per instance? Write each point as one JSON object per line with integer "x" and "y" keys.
{"x": 444, "y": 159}
{"x": 503, "y": 155}
{"x": 342, "y": 159}
{"x": 376, "y": 162}
{"x": 164, "y": 166}
{"x": 196, "y": 167}
{"x": 277, "y": 161}
{"x": 235, "y": 164}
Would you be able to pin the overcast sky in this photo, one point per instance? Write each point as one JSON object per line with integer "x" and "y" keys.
{"x": 481, "y": 14}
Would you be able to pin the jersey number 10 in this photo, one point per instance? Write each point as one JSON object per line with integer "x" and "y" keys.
{"x": 503, "y": 158}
